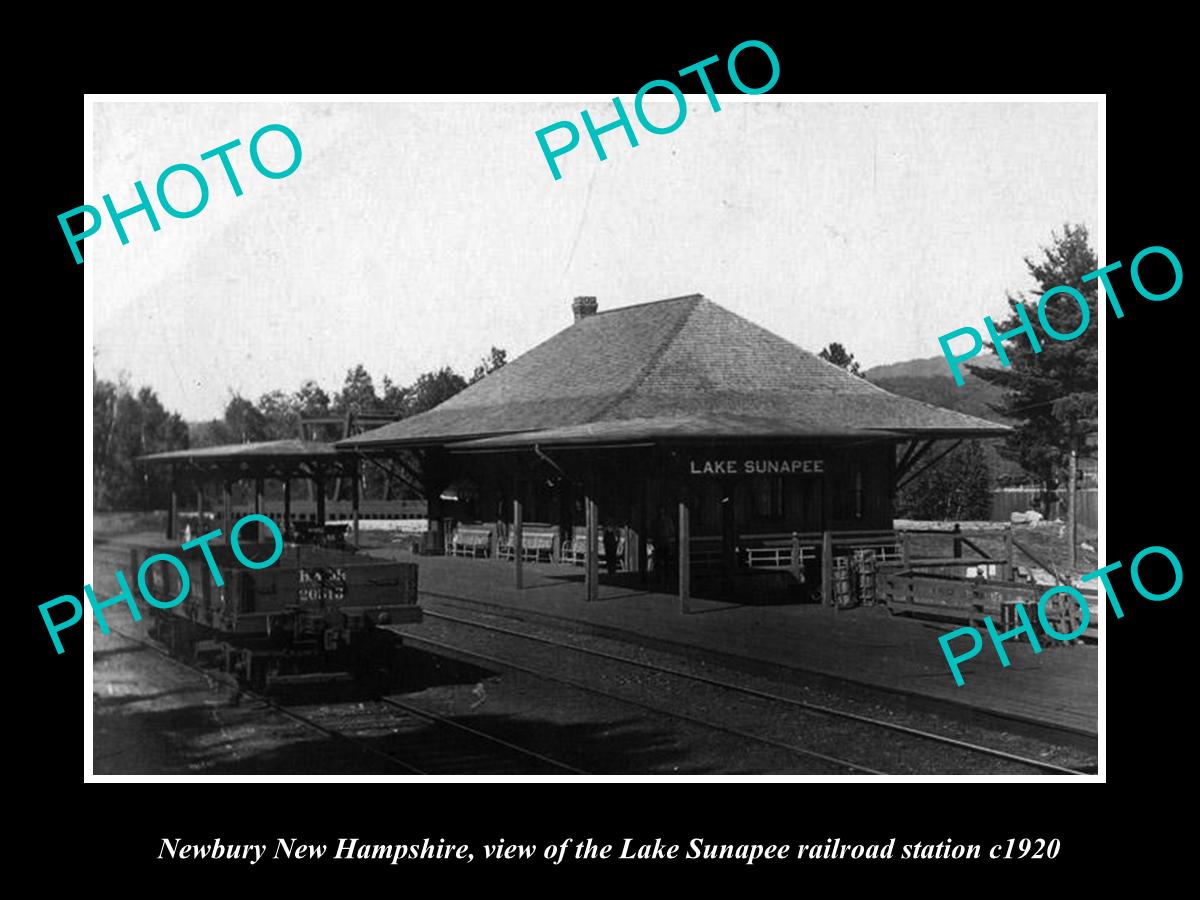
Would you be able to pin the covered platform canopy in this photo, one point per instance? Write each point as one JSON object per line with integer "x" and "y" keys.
{"x": 284, "y": 460}
{"x": 276, "y": 459}
{"x": 638, "y": 404}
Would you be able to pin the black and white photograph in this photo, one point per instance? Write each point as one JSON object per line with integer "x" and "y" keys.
{"x": 524, "y": 438}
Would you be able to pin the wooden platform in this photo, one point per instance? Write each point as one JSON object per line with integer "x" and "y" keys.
{"x": 867, "y": 646}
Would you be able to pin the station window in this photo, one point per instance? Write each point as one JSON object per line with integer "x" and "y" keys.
{"x": 766, "y": 497}
{"x": 858, "y": 493}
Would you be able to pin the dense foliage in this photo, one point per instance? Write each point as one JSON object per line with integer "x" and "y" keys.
{"x": 958, "y": 487}
{"x": 1051, "y": 396}
{"x": 128, "y": 424}
{"x": 840, "y": 356}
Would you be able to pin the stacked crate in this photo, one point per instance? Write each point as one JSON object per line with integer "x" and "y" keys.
{"x": 843, "y": 583}
{"x": 864, "y": 576}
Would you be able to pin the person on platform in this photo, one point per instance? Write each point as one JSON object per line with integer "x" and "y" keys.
{"x": 664, "y": 547}
{"x": 611, "y": 543}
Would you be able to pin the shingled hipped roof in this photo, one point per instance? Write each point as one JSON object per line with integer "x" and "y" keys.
{"x": 666, "y": 428}
{"x": 681, "y": 368}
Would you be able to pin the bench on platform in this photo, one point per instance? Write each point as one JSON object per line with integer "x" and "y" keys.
{"x": 539, "y": 543}
{"x": 471, "y": 539}
{"x": 574, "y": 551}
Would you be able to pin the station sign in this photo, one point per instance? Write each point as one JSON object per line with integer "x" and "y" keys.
{"x": 785, "y": 466}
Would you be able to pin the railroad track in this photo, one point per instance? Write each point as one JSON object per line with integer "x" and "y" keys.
{"x": 449, "y": 746}
{"x": 541, "y": 674}
{"x": 427, "y": 752}
{"x": 807, "y": 752}
{"x": 427, "y": 757}
{"x": 525, "y": 752}
{"x": 871, "y": 726}
{"x": 471, "y": 764}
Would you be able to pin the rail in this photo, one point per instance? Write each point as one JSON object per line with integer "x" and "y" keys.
{"x": 820, "y": 709}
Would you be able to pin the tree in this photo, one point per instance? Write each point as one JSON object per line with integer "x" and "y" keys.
{"x": 127, "y": 425}
{"x": 311, "y": 401}
{"x": 433, "y": 388}
{"x": 490, "y": 363}
{"x": 357, "y": 394}
{"x": 839, "y": 356}
{"x": 958, "y": 487}
{"x": 104, "y": 407}
{"x": 395, "y": 396}
{"x": 243, "y": 423}
{"x": 1052, "y": 395}
{"x": 279, "y": 414}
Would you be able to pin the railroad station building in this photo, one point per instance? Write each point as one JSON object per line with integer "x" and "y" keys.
{"x": 675, "y": 425}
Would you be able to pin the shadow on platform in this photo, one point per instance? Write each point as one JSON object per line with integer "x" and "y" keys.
{"x": 766, "y": 588}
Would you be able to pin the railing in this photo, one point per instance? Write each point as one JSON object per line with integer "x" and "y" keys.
{"x": 850, "y": 559}
{"x": 780, "y": 556}
{"x": 774, "y": 551}
{"x": 951, "y": 598}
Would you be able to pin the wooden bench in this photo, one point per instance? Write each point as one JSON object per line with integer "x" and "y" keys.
{"x": 539, "y": 543}
{"x": 474, "y": 539}
{"x": 574, "y": 551}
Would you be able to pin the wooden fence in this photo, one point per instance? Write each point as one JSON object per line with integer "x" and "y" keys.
{"x": 1009, "y": 500}
{"x": 956, "y": 599}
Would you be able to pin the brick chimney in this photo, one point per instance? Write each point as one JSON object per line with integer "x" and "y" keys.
{"x": 583, "y": 307}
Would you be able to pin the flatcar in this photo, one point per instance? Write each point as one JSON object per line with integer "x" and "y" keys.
{"x": 313, "y": 610}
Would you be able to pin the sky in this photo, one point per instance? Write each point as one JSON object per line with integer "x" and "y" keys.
{"x": 418, "y": 235}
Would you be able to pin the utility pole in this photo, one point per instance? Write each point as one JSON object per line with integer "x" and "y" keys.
{"x": 1072, "y": 537}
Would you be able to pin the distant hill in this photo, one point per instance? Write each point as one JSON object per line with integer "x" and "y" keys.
{"x": 922, "y": 368}
{"x": 930, "y": 380}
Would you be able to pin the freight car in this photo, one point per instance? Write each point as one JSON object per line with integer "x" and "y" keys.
{"x": 315, "y": 610}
